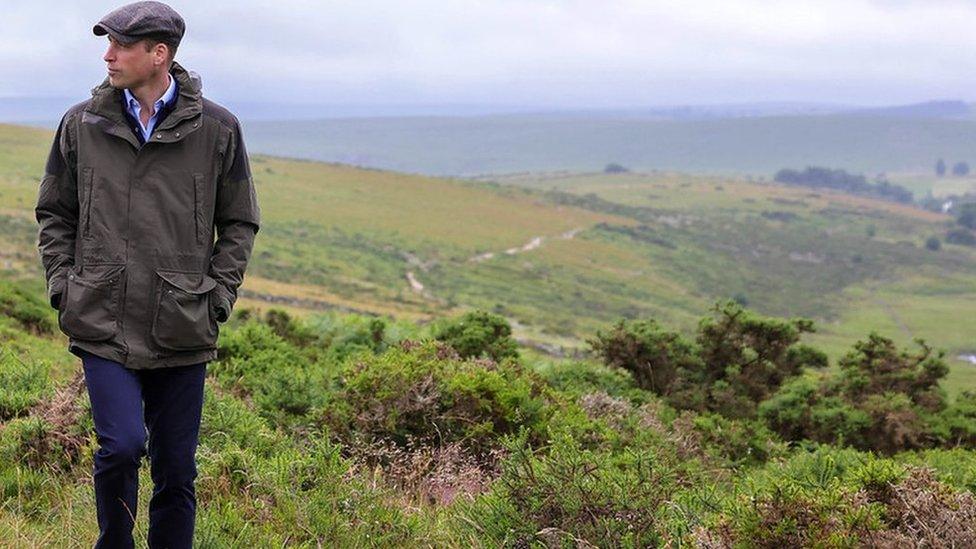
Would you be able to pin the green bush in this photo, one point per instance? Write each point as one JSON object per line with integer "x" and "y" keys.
{"x": 956, "y": 426}
{"x": 425, "y": 393}
{"x": 733, "y": 442}
{"x": 280, "y": 377}
{"x": 478, "y": 334}
{"x": 832, "y": 498}
{"x": 660, "y": 361}
{"x": 800, "y": 411}
{"x": 876, "y": 366}
{"x": 578, "y": 378}
{"x": 737, "y": 360}
{"x": 565, "y": 495}
{"x": 884, "y": 399}
{"x": 260, "y": 482}
{"x": 347, "y": 335}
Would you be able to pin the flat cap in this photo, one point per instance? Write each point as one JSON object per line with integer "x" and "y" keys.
{"x": 139, "y": 20}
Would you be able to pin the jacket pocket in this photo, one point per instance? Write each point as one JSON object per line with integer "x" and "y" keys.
{"x": 89, "y": 304}
{"x": 88, "y": 183}
{"x": 182, "y": 319}
{"x": 199, "y": 207}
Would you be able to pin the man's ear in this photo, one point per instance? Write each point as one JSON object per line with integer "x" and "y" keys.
{"x": 161, "y": 52}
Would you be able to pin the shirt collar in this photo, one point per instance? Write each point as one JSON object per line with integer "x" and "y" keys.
{"x": 167, "y": 97}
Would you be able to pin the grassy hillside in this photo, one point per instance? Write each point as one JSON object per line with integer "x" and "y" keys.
{"x": 561, "y": 256}
{"x": 516, "y": 143}
{"x": 343, "y": 432}
{"x": 856, "y": 264}
{"x": 407, "y": 426}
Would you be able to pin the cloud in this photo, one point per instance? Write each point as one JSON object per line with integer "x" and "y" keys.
{"x": 534, "y": 52}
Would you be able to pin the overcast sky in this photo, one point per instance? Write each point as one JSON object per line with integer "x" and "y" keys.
{"x": 570, "y": 53}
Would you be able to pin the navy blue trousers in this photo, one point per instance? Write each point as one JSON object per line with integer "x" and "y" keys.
{"x": 125, "y": 403}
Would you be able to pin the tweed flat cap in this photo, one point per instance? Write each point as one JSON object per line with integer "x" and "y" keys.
{"x": 139, "y": 20}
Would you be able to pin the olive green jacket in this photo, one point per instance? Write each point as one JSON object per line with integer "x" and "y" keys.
{"x": 127, "y": 231}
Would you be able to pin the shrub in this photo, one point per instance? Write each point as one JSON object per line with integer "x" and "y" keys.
{"x": 283, "y": 381}
{"x": 566, "y": 495}
{"x": 884, "y": 399}
{"x": 733, "y": 442}
{"x": 426, "y": 394}
{"x": 832, "y": 498}
{"x": 660, "y": 361}
{"x": 288, "y": 328}
{"x": 956, "y": 426}
{"x": 876, "y": 366}
{"x": 347, "y": 335}
{"x": 800, "y": 411}
{"x": 737, "y": 360}
{"x": 478, "y": 334}
{"x": 966, "y": 215}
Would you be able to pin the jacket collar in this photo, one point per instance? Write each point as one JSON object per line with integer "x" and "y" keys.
{"x": 106, "y": 107}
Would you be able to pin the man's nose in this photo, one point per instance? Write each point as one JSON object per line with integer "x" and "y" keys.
{"x": 109, "y": 54}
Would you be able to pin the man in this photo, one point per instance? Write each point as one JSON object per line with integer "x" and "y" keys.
{"x": 138, "y": 178}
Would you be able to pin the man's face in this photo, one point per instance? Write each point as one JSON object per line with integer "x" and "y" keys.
{"x": 130, "y": 65}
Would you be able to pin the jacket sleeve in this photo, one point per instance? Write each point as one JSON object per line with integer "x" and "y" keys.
{"x": 237, "y": 220}
{"x": 57, "y": 212}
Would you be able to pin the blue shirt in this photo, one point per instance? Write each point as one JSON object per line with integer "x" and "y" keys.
{"x": 133, "y": 106}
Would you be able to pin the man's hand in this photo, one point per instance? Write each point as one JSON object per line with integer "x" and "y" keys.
{"x": 221, "y": 313}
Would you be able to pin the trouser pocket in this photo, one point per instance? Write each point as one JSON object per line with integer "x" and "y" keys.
{"x": 182, "y": 316}
{"x": 90, "y": 302}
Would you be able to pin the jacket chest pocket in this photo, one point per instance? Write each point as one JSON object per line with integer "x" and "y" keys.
{"x": 89, "y": 306}
{"x": 182, "y": 316}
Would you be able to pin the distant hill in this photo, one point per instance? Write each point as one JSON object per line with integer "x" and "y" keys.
{"x": 930, "y": 109}
{"x": 471, "y": 140}
{"x": 862, "y": 142}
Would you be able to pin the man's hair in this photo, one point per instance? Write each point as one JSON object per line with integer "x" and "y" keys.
{"x": 151, "y": 41}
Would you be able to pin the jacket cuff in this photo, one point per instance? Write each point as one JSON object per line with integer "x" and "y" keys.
{"x": 55, "y": 289}
{"x": 223, "y": 302}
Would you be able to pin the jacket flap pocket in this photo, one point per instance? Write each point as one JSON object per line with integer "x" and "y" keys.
{"x": 191, "y": 283}
{"x": 95, "y": 276}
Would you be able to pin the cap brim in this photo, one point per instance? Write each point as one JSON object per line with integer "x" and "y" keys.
{"x": 102, "y": 29}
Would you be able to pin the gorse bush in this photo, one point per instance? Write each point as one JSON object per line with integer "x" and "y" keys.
{"x": 345, "y": 335}
{"x": 956, "y": 426}
{"x": 478, "y": 334}
{"x": 280, "y": 377}
{"x": 884, "y": 399}
{"x": 425, "y": 393}
{"x": 737, "y": 360}
{"x": 876, "y": 366}
{"x": 566, "y": 495}
{"x": 831, "y": 499}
